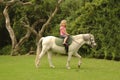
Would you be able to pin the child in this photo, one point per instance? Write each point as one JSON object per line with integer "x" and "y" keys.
{"x": 63, "y": 32}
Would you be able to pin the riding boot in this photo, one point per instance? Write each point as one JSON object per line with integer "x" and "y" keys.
{"x": 66, "y": 47}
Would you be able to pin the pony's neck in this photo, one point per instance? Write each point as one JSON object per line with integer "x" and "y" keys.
{"x": 79, "y": 38}
{"x": 78, "y": 41}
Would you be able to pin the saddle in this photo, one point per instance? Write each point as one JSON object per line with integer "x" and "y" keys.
{"x": 59, "y": 42}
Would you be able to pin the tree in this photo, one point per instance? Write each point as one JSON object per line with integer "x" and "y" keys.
{"x": 16, "y": 45}
{"x": 101, "y": 19}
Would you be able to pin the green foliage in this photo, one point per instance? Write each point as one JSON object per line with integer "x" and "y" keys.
{"x": 66, "y": 11}
{"x": 1, "y": 16}
{"x": 101, "y": 19}
{"x": 5, "y": 50}
{"x": 25, "y": 48}
{"x": 40, "y": 9}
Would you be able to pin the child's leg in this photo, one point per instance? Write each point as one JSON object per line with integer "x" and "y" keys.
{"x": 65, "y": 44}
{"x": 65, "y": 40}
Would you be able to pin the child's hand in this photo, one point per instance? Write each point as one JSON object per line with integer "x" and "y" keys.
{"x": 68, "y": 34}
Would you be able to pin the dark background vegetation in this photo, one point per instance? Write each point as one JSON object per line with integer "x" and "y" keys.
{"x": 99, "y": 17}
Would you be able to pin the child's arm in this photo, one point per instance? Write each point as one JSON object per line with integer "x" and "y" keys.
{"x": 66, "y": 32}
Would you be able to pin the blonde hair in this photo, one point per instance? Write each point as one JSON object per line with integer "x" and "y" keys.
{"x": 63, "y": 23}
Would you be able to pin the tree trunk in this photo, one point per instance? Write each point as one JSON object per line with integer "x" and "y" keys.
{"x": 9, "y": 28}
{"x": 15, "y": 46}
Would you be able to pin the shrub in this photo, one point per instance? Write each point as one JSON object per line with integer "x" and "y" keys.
{"x": 5, "y": 50}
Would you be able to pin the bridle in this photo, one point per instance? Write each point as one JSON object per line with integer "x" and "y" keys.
{"x": 92, "y": 42}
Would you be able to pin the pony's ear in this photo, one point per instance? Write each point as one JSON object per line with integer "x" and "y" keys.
{"x": 86, "y": 37}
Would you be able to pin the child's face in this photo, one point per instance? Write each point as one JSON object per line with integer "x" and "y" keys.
{"x": 64, "y": 24}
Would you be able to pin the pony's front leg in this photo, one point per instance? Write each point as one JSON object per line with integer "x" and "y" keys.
{"x": 79, "y": 62}
{"x": 68, "y": 60}
{"x": 50, "y": 59}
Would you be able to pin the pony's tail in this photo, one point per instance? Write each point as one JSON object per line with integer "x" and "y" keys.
{"x": 39, "y": 48}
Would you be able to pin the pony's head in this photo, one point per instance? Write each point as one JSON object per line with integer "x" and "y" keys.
{"x": 89, "y": 39}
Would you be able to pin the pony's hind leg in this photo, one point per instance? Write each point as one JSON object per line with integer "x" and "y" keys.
{"x": 79, "y": 62}
{"x": 37, "y": 57}
{"x": 44, "y": 50}
{"x": 50, "y": 59}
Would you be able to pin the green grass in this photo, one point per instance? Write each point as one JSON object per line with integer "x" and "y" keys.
{"x": 22, "y": 68}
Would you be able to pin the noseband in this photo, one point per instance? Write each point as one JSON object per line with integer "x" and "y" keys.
{"x": 92, "y": 40}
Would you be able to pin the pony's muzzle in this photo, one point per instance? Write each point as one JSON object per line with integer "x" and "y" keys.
{"x": 94, "y": 45}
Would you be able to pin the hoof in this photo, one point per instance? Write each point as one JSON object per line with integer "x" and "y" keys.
{"x": 68, "y": 68}
{"x": 37, "y": 66}
{"x": 52, "y": 66}
{"x": 78, "y": 66}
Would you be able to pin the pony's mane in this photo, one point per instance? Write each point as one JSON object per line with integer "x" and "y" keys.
{"x": 79, "y": 35}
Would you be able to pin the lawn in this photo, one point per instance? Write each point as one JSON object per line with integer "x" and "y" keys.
{"x": 22, "y": 68}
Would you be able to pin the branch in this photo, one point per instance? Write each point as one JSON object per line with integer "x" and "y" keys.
{"x": 50, "y": 18}
{"x": 24, "y": 38}
{"x": 33, "y": 26}
{"x": 25, "y": 3}
{"x": 32, "y": 30}
{"x": 9, "y": 28}
{"x": 9, "y": 3}
{"x": 1, "y": 1}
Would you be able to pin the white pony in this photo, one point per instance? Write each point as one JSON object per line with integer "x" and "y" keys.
{"x": 47, "y": 45}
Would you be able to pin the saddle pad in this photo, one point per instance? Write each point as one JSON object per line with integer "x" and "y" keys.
{"x": 59, "y": 41}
